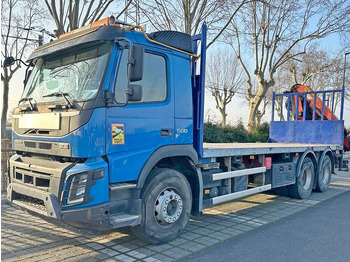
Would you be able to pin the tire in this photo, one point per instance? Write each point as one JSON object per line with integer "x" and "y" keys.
{"x": 303, "y": 185}
{"x": 324, "y": 175}
{"x": 166, "y": 195}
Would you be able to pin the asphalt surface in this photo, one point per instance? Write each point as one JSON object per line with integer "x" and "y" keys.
{"x": 319, "y": 233}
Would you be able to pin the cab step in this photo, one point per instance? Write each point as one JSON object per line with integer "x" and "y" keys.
{"x": 124, "y": 220}
{"x": 121, "y": 186}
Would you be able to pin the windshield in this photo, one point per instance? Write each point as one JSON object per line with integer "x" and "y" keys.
{"x": 77, "y": 72}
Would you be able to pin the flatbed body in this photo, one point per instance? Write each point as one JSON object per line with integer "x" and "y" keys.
{"x": 245, "y": 149}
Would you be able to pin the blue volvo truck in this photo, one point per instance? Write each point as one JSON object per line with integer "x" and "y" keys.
{"x": 109, "y": 133}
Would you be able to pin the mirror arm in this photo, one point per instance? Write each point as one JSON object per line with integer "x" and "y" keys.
{"x": 131, "y": 61}
{"x": 9, "y": 61}
{"x": 26, "y": 76}
{"x": 23, "y": 62}
{"x": 110, "y": 100}
{"x": 20, "y": 60}
{"x": 129, "y": 91}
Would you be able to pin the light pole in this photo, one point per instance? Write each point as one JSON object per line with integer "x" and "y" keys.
{"x": 342, "y": 111}
{"x": 343, "y": 88}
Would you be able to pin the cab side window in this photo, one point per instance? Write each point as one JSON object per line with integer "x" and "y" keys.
{"x": 154, "y": 81}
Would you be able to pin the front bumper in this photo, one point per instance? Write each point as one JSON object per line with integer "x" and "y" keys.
{"x": 96, "y": 217}
{"x": 46, "y": 204}
{"x": 37, "y": 185}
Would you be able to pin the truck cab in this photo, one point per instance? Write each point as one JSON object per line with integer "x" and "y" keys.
{"x": 103, "y": 106}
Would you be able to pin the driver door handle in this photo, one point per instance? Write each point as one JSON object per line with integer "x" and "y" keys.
{"x": 166, "y": 132}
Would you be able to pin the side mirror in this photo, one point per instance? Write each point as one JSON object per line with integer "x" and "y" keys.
{"x": 135, "y": 93}
{"x": 136, "y": 70}
{"x": 9, "y": 61}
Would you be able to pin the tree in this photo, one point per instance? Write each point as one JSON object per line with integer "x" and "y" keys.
{"x": 16, "y": 41}
{"x": 188, "y": 15}
{"x": 312, "y": 68}
{"x": 274, "y": 31}
{"x": 315, "y": 68}
{"x": 72, "y": 14}
{"x": 223, "y": 79}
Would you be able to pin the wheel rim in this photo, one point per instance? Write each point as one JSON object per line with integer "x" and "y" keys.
{"x": 306, "y": 178}
{"x": 168, "y": 207}
{"x": 326, "y": 173}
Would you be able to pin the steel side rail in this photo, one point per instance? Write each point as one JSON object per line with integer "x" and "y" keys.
{"x": 240, "y": 194}
{"x": 237, "y": 173}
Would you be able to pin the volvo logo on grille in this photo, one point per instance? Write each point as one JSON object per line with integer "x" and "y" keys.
{"x": 63, "y": 146}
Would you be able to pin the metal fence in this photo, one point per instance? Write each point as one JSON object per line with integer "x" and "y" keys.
{"x": 6, "y": 153}
{"x": 317, "y": 100}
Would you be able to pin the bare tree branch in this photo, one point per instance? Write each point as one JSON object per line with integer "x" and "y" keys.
{"x": 17, "y": 32}
{"x": 227, "y": 23}
{"x": 224, "y": 79}
{"x": 124, "y": 9}
{"x": 274, "y": 32}
{"x": 76, "y": 13}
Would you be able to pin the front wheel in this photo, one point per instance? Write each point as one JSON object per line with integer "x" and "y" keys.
{"x": 166, "y": 206}
{"x": 304, "y": 182}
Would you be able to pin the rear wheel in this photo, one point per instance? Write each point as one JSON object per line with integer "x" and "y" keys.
{"x": 304, "y": 182}
{"x": 166, "y": 206}
{"x": 324, "y": 175}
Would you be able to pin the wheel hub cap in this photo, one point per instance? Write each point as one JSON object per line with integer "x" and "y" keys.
{"x": 306, "y": 178}
{"x": 326, "y": 174}
{"x": 168, "y": 207}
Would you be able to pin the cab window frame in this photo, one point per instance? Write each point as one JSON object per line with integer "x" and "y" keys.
{"x": 149, "y": 52}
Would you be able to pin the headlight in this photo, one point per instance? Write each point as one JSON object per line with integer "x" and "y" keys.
{"x": 77, "y": 186}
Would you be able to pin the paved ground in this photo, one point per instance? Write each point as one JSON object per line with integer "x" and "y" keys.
{"x": 28, "y": 238}
{"x": 318, "y": 234}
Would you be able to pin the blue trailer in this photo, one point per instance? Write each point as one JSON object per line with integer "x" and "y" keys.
{"x": 109, "y": 134}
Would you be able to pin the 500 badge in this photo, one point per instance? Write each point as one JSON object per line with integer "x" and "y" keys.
{"x": 182, "y": 131}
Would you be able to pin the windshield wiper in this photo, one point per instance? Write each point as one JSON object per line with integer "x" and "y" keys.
{"x": 64, "y": 95}
{"x": 28, "y": 99}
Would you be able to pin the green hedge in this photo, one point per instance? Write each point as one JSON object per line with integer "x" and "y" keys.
{"x": 229, "y": 134}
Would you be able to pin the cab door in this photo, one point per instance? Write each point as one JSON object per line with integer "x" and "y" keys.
{"x": 136, "y": 130}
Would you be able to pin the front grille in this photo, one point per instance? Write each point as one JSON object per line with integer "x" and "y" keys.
{"x": 30, "y": 177}
{"x": 46, "y": 146}
{"x": 43, "y": 147}
{"x": 30, "y": 144}
{"x": 40, "y": 145}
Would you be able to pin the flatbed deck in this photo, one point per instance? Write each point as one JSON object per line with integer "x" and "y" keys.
{"x": 244, "y": 149}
